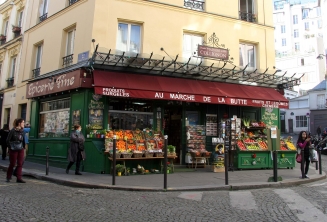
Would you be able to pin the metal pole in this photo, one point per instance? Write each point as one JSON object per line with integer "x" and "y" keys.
{"x": 47, "y": 161}
{"x": 165, "y": 162}
{"x": 114, "y": 161}
{"x": 319, "y": 159}
{"x": 317, "y": 165}
{"x": 275, "y": 165}
{"x": 226, "y": 164}
{"x": 302, "y": 163}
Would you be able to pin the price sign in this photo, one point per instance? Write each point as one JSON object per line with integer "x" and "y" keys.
{"x": 274, "y": 133}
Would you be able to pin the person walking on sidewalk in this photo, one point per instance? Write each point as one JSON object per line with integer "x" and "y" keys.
{"x": 16, "y": 145}
{"x": 76, "y": 151}
{"x": 3, "y": 137}
{"x": 304, "y": 143}
{"x": 319, "y": 131}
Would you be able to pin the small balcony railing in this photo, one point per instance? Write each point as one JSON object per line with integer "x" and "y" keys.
{"x": 194, "y": 4}
{"x": 67, "y": 60}
{"x": 10, "y": 82}
{"x": 43, "y": 17}
{"x": 36, "y": 72}
{"x": 70, "y": 2}
{"x": 248, "y": 16}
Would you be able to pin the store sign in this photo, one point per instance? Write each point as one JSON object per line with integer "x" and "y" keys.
{"x": 188, "y": 97}
{"x": 211, "y": 52}
{"x": 57, "y": 84}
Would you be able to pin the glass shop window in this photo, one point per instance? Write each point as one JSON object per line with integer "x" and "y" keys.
{"x": 54, "y": 118}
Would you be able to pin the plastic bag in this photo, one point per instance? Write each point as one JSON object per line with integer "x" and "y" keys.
{"x": 313, "y": 155}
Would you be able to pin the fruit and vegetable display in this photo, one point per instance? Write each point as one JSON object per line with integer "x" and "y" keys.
{"x": 263, "y": 145}
{"x": 290, "y": 145}
{"x": 283, "y": 146}
{"x": 241, "y": 145}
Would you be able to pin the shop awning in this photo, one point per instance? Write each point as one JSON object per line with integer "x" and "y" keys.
{"x": 118, "y": 84}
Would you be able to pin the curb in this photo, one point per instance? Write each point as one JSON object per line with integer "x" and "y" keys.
{"x": 233, "y": 187}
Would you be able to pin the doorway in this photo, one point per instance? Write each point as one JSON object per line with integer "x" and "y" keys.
{"x": 290, "y": 125}
{"x": 173, "y": 128}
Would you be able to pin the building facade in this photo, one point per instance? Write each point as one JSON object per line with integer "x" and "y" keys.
{"x": 12, "y": 21}
{"x": 75, "y": 51}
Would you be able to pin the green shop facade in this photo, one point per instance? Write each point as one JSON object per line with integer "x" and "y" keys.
{"x": 100, "y": 99}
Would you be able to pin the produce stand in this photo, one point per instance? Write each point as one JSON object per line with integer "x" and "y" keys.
{"x": 136, "y": 146}
{"x": 286, "y": 154}
{"x": 253, "y": 151}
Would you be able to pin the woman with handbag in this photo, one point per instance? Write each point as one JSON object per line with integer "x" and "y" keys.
{"x": 304, "y": 143}
{"x": 16, "y": 145}
{"x": 76, "y": 150}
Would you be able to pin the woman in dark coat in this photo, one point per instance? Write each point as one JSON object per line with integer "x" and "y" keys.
{"x": 76, "y": 150}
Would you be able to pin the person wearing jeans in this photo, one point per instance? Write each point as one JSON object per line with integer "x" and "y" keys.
{"x": 16, "y": 156}
{"x": 304, "y": 143}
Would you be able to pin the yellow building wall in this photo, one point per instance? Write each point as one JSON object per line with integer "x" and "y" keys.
{"x": 52, "y": 33}
{"x": 163, "y": 25}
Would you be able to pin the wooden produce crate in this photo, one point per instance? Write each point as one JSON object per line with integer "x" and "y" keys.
{"x": 138, "y": 135}
{"x": 216, "y": 169}
{"x": 128, "y": 135}
{"x": 141, "y": 145}
{"x": 119, "y": 134}
{"x": 148, "y": 134}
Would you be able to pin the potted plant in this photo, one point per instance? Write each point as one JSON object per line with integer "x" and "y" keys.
{"x": 16, "y": 29}
{"x": 2, "y": 37}
{"x": 120, "y": 169}
{"x": 171, "y": 150}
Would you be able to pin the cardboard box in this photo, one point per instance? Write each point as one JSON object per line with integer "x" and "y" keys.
{"x": 217, "y": 169}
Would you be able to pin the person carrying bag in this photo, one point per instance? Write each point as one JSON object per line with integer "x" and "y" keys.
{"x": 16, "y": 144}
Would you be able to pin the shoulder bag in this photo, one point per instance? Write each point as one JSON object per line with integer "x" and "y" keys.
{"x": 16, "y": 145}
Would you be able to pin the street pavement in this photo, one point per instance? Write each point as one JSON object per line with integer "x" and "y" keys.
{"x": 39, "y": 200}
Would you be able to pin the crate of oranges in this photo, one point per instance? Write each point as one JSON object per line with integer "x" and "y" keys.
{"x": 121, "y": 145}
{"x": 131, "y": 145}
{"x": 119, "y": 134}
{"x": 128, "y": 135}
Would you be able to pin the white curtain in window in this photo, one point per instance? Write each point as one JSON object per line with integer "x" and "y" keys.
{"x": 44, "y": 7}
{"x": 20, "y": 19}
{"x": 38, "y": 56}
{"x": 135, "y": 39}
{"x": 70, "y": 42}
{"x": 122, "y": 36}
{"x": 5, "y": 28}
{"x": 247, "y": 55}
{"x": 321, "y": 100}
{"x": 190, "y": 44}
{"x": 13, "y": 67}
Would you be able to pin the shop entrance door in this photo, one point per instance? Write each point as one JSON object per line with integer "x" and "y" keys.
{"x": 173, "y": 127}
{"x": 290, "y": 125}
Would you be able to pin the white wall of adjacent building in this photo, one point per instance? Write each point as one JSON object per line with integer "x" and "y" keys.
{"x": 299, "y": 38}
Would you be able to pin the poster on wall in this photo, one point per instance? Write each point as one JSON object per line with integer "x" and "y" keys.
{"x": 96, "y": 118}
{"x": 211, "y": 124}
{"x": 76, "y": 119}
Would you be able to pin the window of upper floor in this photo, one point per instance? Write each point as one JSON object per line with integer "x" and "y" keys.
{"x": 283, "y": 42}
{"x": 70, "y": 2}
{"x": 296, "y": 33}
{"x": 319, "y": 24}
{"x": 279, "y": 17}
{"x": 69, "y": 47}
{"x": 283, "y": 29}
{"x": 297, "y": 46}
{"x": 194, "y": 4}
{"x": 307, "y": 26}
{"x": 5, "y": 27}
{"x": 247, "y": 10}
{"x": 43, "y": 10}
{"x": 19, "y": 19}
{"x": 129, "y": 37}
{"x": 247, "y": 55}
{"x": 305, "y": 13}
{"x": 191, "y": 42}
{"x": 38, "y": 50}
{"x": 308, "y": 77}
{"x": 321, "y": 101}
{"x": 295, "y": 19}
{"x": 12, "y": 67}
{"x": 318, "y": 11}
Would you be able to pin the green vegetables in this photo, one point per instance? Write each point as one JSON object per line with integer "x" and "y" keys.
{"x": 246, "y": 121}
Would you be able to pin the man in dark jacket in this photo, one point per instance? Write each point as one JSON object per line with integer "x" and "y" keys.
{"x": 3, "y": 137}
{"x": 319, "y": 131}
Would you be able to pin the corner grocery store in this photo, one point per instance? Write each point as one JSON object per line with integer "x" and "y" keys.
{"x": 158, "y": 96}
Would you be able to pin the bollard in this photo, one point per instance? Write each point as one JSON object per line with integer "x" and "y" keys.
{"x": 302, "y": 163}
{"x": 317, "y": 165}
{"x": 319, "y": 161}
{"x": 275, "y": 166}
{"x": 226, "y": 164}
{"x": 47, "y": 161}
{"x": 165, "y": 162}
{"x": 114, "y": 161}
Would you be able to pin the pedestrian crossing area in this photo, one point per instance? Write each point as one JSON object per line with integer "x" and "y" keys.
{"x": 245, "y": 200}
